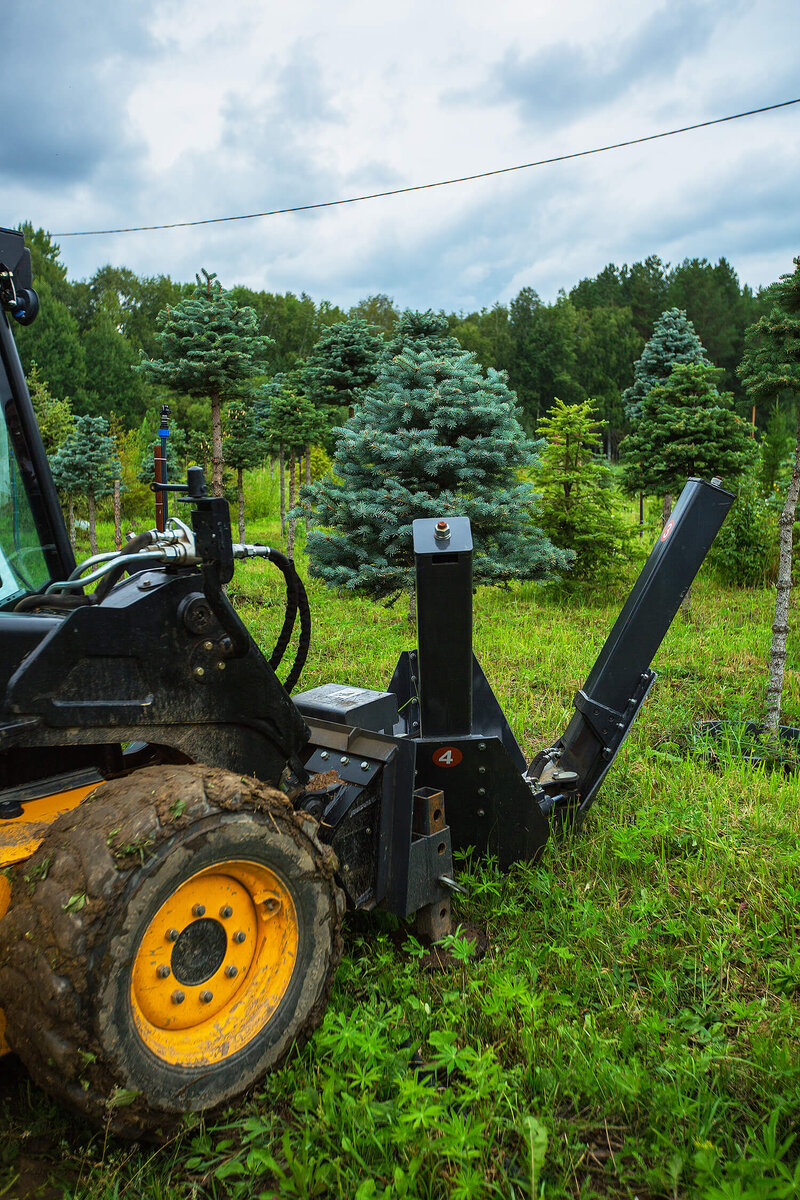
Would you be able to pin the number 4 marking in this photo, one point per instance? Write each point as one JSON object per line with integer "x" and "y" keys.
{"x": 447, "y": 756}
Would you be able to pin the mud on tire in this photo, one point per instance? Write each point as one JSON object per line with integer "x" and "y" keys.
{"x": 172, "y": 940}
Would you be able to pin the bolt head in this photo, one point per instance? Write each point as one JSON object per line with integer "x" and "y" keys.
{"x": 324, "y": 754}
{"x": 365, "y": 766}
{"x": 481, "y": 745}
{"x": 178, "y": 997}
{"x": 208, "y": 645}
{"x": 163, "y": 971}
{"x": 231, "y": 971}
{"x": 220, "y": 666}
{"x": 199, "y": 910}
{"x": 481, "y": 770}
{"x": 226, "y": 911}
{"x": 172, "y": 935}
{"x": 481, "y": 812}
{"x": 239, "y": 936}
{"x": 344, "y": 760}
{"x": 206, "y": 997}
{"x": 481, "y": 791}
{"x": 198, "y": 672}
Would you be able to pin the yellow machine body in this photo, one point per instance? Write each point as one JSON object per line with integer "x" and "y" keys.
{"x": 21, "y": 836}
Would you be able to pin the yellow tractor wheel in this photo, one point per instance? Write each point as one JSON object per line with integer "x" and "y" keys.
{"x": 170, "y": 942}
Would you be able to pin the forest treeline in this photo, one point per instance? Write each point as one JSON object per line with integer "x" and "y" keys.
{"x": 90, "y": 333}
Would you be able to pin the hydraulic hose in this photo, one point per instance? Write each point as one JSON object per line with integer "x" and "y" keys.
{"x": 118, "y": 570}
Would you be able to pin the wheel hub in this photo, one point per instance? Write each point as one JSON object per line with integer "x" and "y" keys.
{"x": 202, "y": 985}
{"x": 199, "y": 952}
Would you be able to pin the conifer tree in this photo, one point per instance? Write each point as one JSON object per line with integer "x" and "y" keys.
{"x": 770, "y": 370}
{"x": 87, "y": 465}
{"x": 435, "y": 437}
{"x": 580, "y": 510}
{"x": 686, "y": 427}
{"x": 54, "y": 417}
{"x": 293, "y": 424}
{"x": 211, "y": 347}
{"x": 674, "y": 341}
{"x": 342, "y": 365}
{"x": 243, "y": 447}
{"x": 420, "y": 331}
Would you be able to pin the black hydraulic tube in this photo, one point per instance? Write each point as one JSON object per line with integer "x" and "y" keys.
{"x": 621, "y": 677}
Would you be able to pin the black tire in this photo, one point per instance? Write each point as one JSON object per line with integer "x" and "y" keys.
{"x": 82, "y": 911}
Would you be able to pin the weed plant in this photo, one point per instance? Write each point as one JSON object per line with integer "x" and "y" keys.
{"x": 633, "y": 1027}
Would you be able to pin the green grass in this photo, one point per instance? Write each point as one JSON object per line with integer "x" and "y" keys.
{"x": 633, "y": 1028}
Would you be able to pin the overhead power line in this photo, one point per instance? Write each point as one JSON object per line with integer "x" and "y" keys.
{"x": 422, "y": 187}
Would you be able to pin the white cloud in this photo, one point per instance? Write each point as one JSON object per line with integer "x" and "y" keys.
{"x": 191, "y": 109}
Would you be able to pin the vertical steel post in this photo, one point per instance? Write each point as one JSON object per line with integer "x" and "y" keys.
{"x": 163, "y": 433}
{"x": 443, "y": 554}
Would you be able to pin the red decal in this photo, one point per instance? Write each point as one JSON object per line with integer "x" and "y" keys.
{"x": 448, "y": 756}
{"x": 668, "y": 528}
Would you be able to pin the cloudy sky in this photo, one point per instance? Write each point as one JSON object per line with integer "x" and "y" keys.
{"x": 133, "y": 113}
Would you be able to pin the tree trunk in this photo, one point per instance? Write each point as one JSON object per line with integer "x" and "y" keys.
{"x": 641, "y": 514}
{"x": 117, "y": 517}
{"x": 71, "y": 521}
{"x": 780, "y": 625}
{"x": 240, "y": 486}
{"x": 666, "y": 509}
{"x": 308, "y": 481}
{"x": 216, "y": 446}
{"x": 92, "y": 529}
{"x": 282, "y": 465}
{"x": 290, "y": 539}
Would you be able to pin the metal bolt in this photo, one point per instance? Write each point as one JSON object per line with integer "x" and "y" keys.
{"x": 226, "y": 911}
{"x": 347, "y": 868}
{"x": 198, "y": 672}
{"x": 415, "y": 724}
{"x": 272, "y": 904}
{"x": 172, "y": 935}
{"x": 481, "y": 745}
{"x": 413, "y": 679}
{"x": 163, "y": 971}
{"x": 220, "y": 666}
{"x": 208, "y": 645}
{"x": 231, "y": 971}
{"x": 239, "y": 936}
{"x": 481, "y": 812}
{"x": 368, "y": 831}
{"x": 324, "y": 754}
{"x": 178, "y": 997}
{"x": 344, "y": 760}
{"x": 365, "y": 766}
{"x": 481, "y": 791}
{"x": 481, "y": 770}
{"x": 199, "y": 910}
{"x": 206, "y": 997}
{"x": 146, "y": 582}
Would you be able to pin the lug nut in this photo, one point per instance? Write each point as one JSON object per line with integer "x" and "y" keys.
{"x": 226, "y": 911}
{"x": 163, "y": 971}
{"x": 172, "y": 935}
{"x": 231, "y": 971}
{"x": 239, "y": 936}
{"x": 199, "y": 910}
{"x": 206, "y": 997}
{"x": 178, "y": 997}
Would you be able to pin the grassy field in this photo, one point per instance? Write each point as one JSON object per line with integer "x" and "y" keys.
{"x": 633, "y": 1027}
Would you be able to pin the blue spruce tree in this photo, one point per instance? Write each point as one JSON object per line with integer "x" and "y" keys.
{"x": 435, "y": 437}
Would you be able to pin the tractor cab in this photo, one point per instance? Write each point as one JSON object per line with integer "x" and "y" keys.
{"x": 34, "y": 548}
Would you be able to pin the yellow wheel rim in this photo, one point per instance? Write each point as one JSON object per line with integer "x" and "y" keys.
{"x": 214, "y": 964}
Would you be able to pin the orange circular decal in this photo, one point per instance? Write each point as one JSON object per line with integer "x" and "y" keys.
{"x": 448, "y": 756}
{"x": 668, "y": 528}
